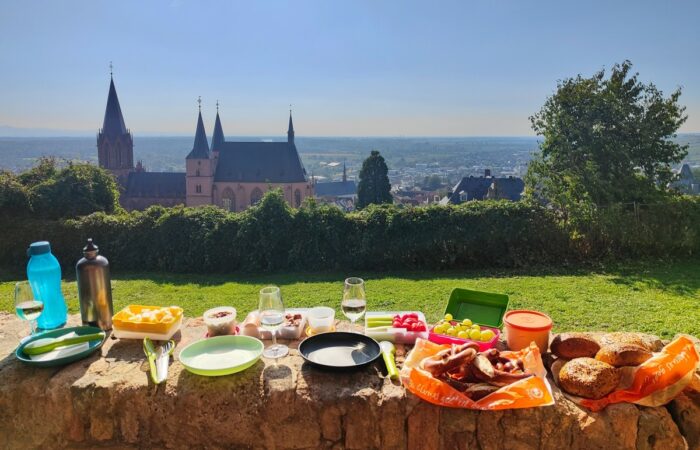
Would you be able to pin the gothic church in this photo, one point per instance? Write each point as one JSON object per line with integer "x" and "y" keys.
{"x": 233, "y": 175}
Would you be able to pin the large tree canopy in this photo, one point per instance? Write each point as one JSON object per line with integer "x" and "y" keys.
{"x": 605, "y": 140}
{"x": 374, "y": 186}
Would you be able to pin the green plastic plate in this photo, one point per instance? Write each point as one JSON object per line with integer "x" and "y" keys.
{"x": 221, "y": 355}
{"x": 92, "y": 346}
{"x": 484, "y": 308}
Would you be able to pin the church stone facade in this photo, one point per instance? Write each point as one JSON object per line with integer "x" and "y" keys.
{"x": 230, "y": 174}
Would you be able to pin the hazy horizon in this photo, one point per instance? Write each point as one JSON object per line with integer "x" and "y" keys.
{"x": 374, "y": 69}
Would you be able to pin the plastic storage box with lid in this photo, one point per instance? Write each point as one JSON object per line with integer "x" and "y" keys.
{"x": 485, "y": 309}
{"x": 126, "y": 326}
{"x": 396, "y": 335}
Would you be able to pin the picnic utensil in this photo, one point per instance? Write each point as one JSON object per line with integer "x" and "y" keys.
{"x": 340, "y": 350}
{"x": 163, "y": 353}
{"x": 47, "y": 344}
{"x": 150, "y": 352}
{"x": 60, "y": 359}
{"x": 388, "y": 352}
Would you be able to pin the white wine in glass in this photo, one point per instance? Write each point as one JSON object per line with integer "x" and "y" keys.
{"x": 271, "y": 318}
{"x": 354, "y": 301}
{"x": 26, "y": 306}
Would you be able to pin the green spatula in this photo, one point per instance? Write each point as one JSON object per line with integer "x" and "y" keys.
{"x": 46, "y": 345}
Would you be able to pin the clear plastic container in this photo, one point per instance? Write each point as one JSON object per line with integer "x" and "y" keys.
{"x": 321, "y": 319}
{"x": 220, "y": 321}
{"x": 395, "y": 335}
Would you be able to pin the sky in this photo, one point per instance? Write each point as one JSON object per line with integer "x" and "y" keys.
{"x": 352, "y": 68}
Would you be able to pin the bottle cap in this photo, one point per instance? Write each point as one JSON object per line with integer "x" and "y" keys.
{"x": 39, "y": 248}
{"x": 90, "y": 248}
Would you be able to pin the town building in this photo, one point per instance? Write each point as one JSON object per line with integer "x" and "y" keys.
{"x": 686, "y": 182}
{"x": 233, "y": 175}
{"x": 342, "y": 194}
{"x": 485, "y": 187}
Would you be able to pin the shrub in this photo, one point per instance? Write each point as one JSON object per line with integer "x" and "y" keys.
{"x": 75, "y": 190}
{"x": 271, "y": 236}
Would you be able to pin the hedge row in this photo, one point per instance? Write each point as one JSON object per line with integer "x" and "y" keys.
{"x": 271, "y": 236}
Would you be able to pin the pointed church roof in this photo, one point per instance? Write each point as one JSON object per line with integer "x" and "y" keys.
{"x": 290, "y": 130}
{"x": 200, "y": 150}
{"x": 113, "y": 124}
{"x": 218, "y": 137}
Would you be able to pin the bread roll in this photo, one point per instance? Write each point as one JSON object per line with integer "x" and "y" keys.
{"x": 648, "y": 342}
{"x": 588, "y": 377}
{"x": 619, "y": 355}
{"x": 574, "y": 345}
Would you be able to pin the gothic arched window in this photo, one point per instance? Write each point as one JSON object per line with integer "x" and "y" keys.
{"x": 196, "y": 174}
{"x": 228, "y": 200}
{"x": 255, "y": 196}
{"x": 297, "y": 198}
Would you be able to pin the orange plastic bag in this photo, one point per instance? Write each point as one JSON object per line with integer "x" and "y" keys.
{"x": 527, "y": 393}
{"x": 656, "y": 381}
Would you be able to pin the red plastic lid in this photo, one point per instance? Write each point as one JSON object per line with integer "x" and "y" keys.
{"x": 523, "y": 319}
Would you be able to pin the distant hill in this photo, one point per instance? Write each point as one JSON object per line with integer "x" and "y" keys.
{"x": 167, "y": 153}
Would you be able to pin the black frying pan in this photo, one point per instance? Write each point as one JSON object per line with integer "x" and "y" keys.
{"x": 340, "y": 350}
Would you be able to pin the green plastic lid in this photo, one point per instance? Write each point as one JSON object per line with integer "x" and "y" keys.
{"x": 483, "y": 308}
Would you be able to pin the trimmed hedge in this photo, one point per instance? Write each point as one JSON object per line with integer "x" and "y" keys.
{"x": 271, "y": 236}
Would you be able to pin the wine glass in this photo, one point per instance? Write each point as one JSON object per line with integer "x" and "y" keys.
{"x": 271, "y": 318}
{"x": 354, "y": 300}
{"x": 26, "y": 306}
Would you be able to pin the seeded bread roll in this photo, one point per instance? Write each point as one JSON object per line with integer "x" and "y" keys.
{"x": 619, "y": 355}
{"x": 588, "y": 378}
{"x": 574, "y": 345}
{"x": 645, "y": 341}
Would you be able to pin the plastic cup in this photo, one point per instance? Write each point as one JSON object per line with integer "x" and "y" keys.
{"x": 321, "y": 319}
{"x": 220, "y": 321}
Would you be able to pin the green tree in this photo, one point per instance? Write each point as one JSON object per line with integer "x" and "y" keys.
{"x": 374, "y": 186}
{"x": 76, "y": 190}
{"x": 14, "y": 198}
{"x": 606, "y": 140}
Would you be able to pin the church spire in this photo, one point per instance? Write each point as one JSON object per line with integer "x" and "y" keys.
{"x": 345, "y": 173}
{"x": 200, "y": 149}
{"x": 218, "y": 137}
{"x": 290, "y": 130}
{"x": 113, "y": 124}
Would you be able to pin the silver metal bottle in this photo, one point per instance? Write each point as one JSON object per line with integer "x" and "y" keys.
{"x": 94, "y": 288}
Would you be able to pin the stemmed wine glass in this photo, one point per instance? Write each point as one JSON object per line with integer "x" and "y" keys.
{"x": 271, "y": 318}
{"x": 26, "y": 306}
{"x": 354, "y": 299}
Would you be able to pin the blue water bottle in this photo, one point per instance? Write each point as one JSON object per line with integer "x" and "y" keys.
{"x": 44, "y": 275}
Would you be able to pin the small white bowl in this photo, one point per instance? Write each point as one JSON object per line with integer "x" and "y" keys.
{"x": 321, "y": 319}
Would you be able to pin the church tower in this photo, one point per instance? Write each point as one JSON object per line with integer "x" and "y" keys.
{"x": 217, "y": 139}
{"x": 115, "y": 145}
{"x": 199, "y": 169}
{"x": 290, "y": 130}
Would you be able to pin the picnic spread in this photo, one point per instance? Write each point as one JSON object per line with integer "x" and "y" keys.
{"x": 480, "y": 356}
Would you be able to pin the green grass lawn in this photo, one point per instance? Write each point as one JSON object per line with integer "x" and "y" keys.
{"x": 660, "y": 298}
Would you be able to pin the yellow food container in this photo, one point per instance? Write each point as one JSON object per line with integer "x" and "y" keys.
{"x": 147, "y": 319}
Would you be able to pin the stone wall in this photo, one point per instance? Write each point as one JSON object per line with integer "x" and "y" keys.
{"x": 107, "y": 400}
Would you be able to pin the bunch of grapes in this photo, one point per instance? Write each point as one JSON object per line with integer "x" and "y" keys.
{"x": 462, "y": 330}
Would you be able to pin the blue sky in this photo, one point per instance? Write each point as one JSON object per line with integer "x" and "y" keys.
{"x": 349, "y": 68}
